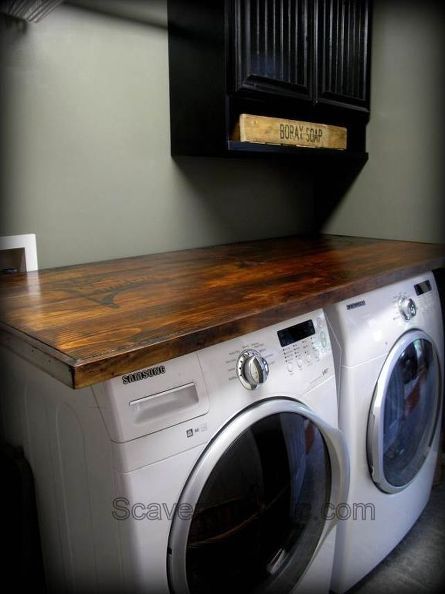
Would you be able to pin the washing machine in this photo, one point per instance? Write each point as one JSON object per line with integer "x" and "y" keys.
{"x": 388, "y": 350}
{"x": 212, "y": 472}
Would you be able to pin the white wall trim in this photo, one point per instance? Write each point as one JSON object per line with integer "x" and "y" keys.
{"x": 26, "y": 241}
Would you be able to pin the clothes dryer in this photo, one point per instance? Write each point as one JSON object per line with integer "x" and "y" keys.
{"x": 211, "y": 472}
{"x": 388, "y": 350}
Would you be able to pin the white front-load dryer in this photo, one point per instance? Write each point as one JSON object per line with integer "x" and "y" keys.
{"x": 213, "y": 472}
{"x": 388, "y": 350}
{"x": 238, "y": 491}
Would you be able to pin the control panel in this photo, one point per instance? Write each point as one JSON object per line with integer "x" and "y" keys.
{"x": 292, "y": 356}
{"x": 408, "y": 304}
{"x": 304, "y": 344}
{"x": 367, "y": 325}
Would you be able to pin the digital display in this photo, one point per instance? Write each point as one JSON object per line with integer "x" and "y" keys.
{"x": 422, "y": 288}
{"x": 295, "y": 333}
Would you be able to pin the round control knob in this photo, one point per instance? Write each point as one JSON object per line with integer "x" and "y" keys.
{"x": 407, "y": 307}
{"x": 252, "y": 369}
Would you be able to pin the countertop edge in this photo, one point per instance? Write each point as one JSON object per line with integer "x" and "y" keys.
{"x": 43, "y": 356}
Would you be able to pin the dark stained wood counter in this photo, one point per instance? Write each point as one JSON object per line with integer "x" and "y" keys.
{"x": 87, "y": 323}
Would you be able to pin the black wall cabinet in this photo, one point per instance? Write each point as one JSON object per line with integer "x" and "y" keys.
{"x": 271, "y": 47}
{"x": 298, "y": 59}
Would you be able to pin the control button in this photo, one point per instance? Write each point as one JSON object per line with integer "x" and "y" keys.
{"x": 300, "y": 363}
{"x": 407, "y": 307}
{"x": 290, "y": 367}
{"x": 323, "y": 339}
{"x": 319, "y": 322}
{"x": 252, "y": 369}
{"x": 308, "y": 358}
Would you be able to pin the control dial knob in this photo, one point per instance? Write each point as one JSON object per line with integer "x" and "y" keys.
{"x": 252, "y": 369}
{"x": 407, "y": 307}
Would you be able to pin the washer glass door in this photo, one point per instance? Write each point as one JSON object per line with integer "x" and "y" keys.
{"x": 259, "y": 493}
{"x": 404, "y": 412}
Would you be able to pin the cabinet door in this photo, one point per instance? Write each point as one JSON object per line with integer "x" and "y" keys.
{"x": 343, "y": 53}
{"x": 272, "y": 50}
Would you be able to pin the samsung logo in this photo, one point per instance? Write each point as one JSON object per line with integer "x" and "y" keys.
{"x": 356, "y": 304}
{"x": 144, "y": 374}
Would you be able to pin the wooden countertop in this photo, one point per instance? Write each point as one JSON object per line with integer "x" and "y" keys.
{"x": 87, "y": 323}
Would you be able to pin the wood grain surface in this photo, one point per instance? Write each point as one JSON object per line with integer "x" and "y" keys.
{"x": 280, "y": 131}
{"x": 87, "y": 323}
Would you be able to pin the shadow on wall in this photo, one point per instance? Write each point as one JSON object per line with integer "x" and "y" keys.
{"x": 331, "y": 184}
{"x": 250, "y": 198}
{"x": 152, "y": 13}
{"x": 16, "y": 30}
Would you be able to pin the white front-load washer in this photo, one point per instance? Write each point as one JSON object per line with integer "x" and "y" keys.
{"x": 212, "y": 472}
{"x": 388, "y": 350}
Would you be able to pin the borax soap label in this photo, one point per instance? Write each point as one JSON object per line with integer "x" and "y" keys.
{"x": 268, "y": 130}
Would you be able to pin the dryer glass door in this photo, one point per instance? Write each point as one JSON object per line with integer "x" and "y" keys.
{"x": 404, "y": 412}
{"x": 258, "y": 494}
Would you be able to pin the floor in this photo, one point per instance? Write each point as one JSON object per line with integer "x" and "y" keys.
{"x": 417, "y": 564}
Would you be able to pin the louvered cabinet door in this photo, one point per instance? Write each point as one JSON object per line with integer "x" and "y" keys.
{"x": 272, "y": 49}
{"x": 343, "y": 53}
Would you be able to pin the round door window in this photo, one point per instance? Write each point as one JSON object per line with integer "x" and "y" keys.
{"x": 258, "y": 516}
{"x": 404, "y": 412}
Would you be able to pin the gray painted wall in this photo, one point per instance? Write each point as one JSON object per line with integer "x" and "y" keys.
{"x": 400, "y": 192}
{"x": 86, "y": 159}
